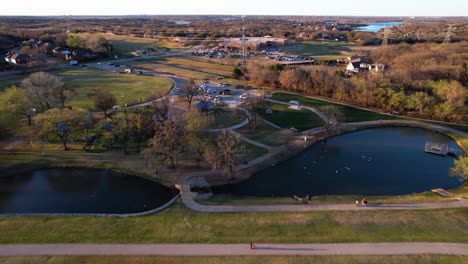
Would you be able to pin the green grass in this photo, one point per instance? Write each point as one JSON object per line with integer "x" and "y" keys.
{"x": 315, "y": 48}
{"x": 187, "y": 68}
{"x": 265, "y": 134}
{"x": 351, "y": 114}
{"x": 354, "y": 114}
{"x": 133, "y": 88}
{"x": 407, "y": 259}
{"x": 286, "y": 118}
{"x": 84, "y": 82}
{"x": 181, "y": 225}
{"x": 227, "y": 117}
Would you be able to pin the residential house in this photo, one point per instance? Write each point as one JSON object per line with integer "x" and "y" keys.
{"x": 17, "y": 58}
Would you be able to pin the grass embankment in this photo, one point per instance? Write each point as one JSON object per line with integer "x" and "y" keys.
{"x": 128, "y": 89}
{"x": 181, "y": 225}
{"x": 228, "y": 199}
{"x": 416, "y": 259}
{"x": 187, "y": 68}
{"x": 227, "y": 118}
{"x": 287, "y": 118}
{"x": 266, "y": 134}
{"x": 354, "y": 114}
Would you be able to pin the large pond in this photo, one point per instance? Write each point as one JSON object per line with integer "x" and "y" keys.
{"x": 383, "y": 161}
{"x": 375, "y": 27}
{"x": 78, "y": 190}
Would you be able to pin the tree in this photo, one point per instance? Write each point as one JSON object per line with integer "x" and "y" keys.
{"x": 197, "y": 136}
{"x": 332, "y": 114}
{"x": 121, "y": 130}
{"x": 104, "y": 100}
{"x": 398, "y": 101}
{"x": 167, "y": 144}
{"x": 61, "y": 123}
{"x": 190, "y": 92}
{"x": 47, "y": 89}
{"x": 460, "y": 168}
{"x": 15, "y": 101}
{"x": 237, "y": 73}
{"x": 75, "y": 41}
{"x": 420, "y": 101}
{"x": 226, "y": 143}
{"x": 294, "y": 79}
{"x": 142, "y": 126}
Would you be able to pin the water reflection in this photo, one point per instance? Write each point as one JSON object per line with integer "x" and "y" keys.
{"x": 75, "y": 190}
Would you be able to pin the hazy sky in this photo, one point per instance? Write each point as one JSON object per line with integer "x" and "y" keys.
{"x": 236, "y": 7}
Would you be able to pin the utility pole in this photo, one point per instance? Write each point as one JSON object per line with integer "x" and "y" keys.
{"x": 448, "y": 35}
{"x": 387, "y": 32}
{"x": 244, "y": 57}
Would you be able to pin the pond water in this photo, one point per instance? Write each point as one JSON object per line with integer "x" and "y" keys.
{"x": 382, "y": 161}
{"x": 79, "y": 190}
{"x": 375, "y": 27}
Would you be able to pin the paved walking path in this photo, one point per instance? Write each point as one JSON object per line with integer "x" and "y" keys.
{"x": 233, "y": 249}
{"x": 313, "y": 109}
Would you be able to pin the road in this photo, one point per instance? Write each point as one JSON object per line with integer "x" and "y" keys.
{"x": 233, "y": 249}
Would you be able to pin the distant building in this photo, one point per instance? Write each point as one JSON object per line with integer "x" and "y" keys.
{"x": 17, "y": 58}
{"x": 354, "y": 67}
{"x": 256, "y": 43}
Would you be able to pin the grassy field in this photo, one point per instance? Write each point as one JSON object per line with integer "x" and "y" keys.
{"x": 286, "y": 118}
{"x": 181, "y": 225}
{"x": 407, "y": 259}
{"x": 265, "y": 134}
{"x": 187, "y": 68}
{"x": 84, "y": 82}
{"x": 316, "y": 49}
{"x": 122, "y": 45}
{"x": 353, "y": 114}
{"x": 227, "y": 117}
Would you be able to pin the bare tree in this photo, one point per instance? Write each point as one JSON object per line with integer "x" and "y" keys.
{"x": 47, "y": 89}
{"x": 332, "y": 114}
{"x": 104, "y": 100}
{"x": 166, "y": 145}
{"x": 226, "y": 143}
{"x": 190, "y": 92}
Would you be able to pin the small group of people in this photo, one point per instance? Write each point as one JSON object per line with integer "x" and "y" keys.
{"x": 363, "y": 201}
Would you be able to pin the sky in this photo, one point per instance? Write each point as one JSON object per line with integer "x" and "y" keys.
{"x": 238, "y": 7}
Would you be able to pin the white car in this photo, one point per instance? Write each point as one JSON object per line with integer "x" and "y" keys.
{"x": 243, "y": 96}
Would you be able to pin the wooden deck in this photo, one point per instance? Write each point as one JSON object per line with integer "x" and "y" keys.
{"x": 436, "y": 148}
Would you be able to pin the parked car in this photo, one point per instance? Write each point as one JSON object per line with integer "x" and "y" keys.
{"x": 226, "y": 91}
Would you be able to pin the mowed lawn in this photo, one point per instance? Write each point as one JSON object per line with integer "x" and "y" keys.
{"x": 181, "y": 225}
{"x": 353, "y": 114}
{"x": 187, "y": 68}
{"x": 316, "y": 48}
{"x": 128, "y": 89}
{"x": 287, "y": 118}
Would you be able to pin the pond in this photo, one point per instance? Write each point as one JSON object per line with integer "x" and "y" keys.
{"x": 382, "y": 161}
{"x": 80, "y": 190}
{"x": 375, "y": 27}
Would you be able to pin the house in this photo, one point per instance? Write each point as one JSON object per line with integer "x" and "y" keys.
{"x": 17, "y": 58}
{"x": 353, "y": 67}
{"x": 295, "y": 105}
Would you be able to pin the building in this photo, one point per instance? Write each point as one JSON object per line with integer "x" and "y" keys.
{"x": 255, "y": 43}
{"x": 17, "y": 58}
{"x": 295, "y": 105}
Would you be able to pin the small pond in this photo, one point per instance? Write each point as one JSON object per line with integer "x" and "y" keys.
{"x": 80, "y": 190}
{"x": 382, "y": 161}
{"x": 375, "y": 27}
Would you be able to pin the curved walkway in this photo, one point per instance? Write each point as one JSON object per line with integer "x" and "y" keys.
{"x": 410, "y": 248}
